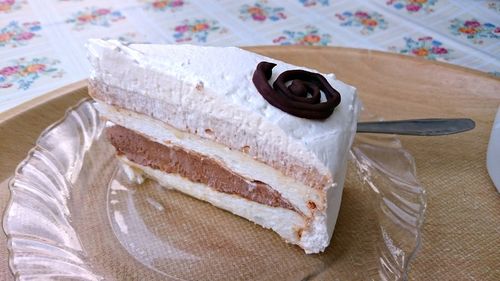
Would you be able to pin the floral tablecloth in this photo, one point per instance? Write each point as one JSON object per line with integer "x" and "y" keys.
{"x": 42, "y": 41}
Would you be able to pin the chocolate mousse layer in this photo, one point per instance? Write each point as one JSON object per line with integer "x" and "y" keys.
{"x": 193, "y": 166}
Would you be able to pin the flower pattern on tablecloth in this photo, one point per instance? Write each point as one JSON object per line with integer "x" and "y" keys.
{"x": 17, "y": 34}
{"x": 474, "y": 30}
{"x": 7, "y": 6}
{"x": 493, "y": 5}
{"x": 310, "y": 36}
{"x": 426, "y": 47}
{"x": 369, "y": 22}
{"x": 468, "y": 34}
{"x": 310, "y": 3}
{"x": 24, "y": 73}
{"x": 261, "y": 12}
{"x": 95, "y": 16}
{"x": 196, "y": 30}
{"x": 164, "y": 5}
{"x": 413, "y": 6}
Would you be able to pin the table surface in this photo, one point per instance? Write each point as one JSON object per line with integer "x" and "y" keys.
{"x": 42, "y": 41}
{"x": 461, "y": 229}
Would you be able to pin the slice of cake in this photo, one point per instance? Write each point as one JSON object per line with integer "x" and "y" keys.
{"x": 260, "y": 138}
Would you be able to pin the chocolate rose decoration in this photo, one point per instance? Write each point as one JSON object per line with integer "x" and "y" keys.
{"x": 302, "y": 98}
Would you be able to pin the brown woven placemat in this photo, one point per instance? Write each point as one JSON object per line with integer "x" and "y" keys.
{"x": 462, "y": 227}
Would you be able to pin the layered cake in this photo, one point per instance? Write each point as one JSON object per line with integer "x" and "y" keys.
{"x": 260, "y": 138}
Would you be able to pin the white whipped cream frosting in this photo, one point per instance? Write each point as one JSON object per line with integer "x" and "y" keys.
{"x": 227, "y": 72}
{"x": 172, "y": 72}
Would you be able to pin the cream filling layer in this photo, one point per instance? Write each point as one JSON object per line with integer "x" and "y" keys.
{"x": 306, "y": 199}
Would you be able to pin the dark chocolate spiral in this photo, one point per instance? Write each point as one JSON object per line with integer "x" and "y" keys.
{"x": 302, "y": 98}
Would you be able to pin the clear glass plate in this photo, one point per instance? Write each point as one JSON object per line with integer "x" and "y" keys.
{"x": 73, "y": 215}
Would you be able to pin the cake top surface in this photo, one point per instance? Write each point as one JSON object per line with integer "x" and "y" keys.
{"x": 227, "y": 73}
